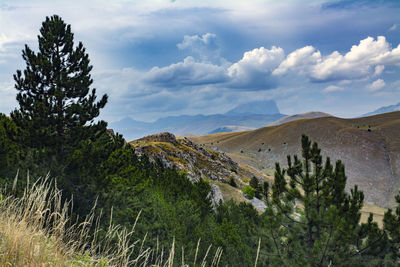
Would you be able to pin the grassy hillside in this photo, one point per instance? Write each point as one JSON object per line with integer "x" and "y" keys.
{"x": 369, "y": 148}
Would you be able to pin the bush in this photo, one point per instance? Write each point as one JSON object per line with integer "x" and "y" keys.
{"x": 249, "y": 192}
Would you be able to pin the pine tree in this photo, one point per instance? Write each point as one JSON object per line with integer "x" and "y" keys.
{"x": 56, "y": 106}
{"x": 256, "y": 185}
{"x": 312, "y": 221}
{"x": 391, "y": 223}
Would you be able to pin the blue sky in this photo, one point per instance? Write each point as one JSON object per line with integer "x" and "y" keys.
{"x": 160, "y": 58}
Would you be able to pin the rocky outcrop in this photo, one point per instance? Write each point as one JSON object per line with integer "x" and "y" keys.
{"x": 258, "y": 204}
{"x": 215, "y": 195}
{"x": 197, "y": 162}
{"x": 183, "y": 154}
{"x": 161, "y": 137}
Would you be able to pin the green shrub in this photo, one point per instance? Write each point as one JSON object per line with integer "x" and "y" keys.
{"x": 249, "y": 192}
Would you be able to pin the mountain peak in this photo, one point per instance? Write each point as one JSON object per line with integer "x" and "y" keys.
{"x": 264, "y": 107}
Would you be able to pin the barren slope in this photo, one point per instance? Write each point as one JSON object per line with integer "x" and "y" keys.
{"x": 369, "y": 148}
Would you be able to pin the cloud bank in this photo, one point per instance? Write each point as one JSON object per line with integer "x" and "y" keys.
{"x": 262, "y": 68}
{"x": 158, "y": 58}
{"x": 364, "y": 60}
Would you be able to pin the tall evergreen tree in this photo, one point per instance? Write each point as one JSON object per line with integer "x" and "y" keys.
{"x": 56, "y": 105}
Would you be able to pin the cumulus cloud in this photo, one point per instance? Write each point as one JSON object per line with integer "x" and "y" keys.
{"x": 377, "y": 85}
{"x": 301, "y": 59}
{"x": 359, "y": 62}
{"x": 186, "y": 73}
{"x": 206, "y": 46}
{"x": 366, "y": 59}
{"x": 254, "y": 70}
{"x": 262, "y": 68}
{"x": 194, "y": 41}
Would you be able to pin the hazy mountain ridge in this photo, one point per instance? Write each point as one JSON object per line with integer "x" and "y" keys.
{"x": 228, "y": 129}
{"x": 241, "y": 116}
{"x": 385, "y": 109}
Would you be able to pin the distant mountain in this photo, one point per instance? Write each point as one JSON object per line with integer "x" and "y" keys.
{"x": 229, "y": 129}
{"x": 128, "y": 123}
{"x": 386, "y": 109}
{"x": 256, "y": 107}
{"x": 240, "y": 118}
{"x": 307, "y": 115}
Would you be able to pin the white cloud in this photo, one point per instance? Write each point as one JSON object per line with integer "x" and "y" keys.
{"x": 265, "y": 60}
{"x": 377, "y": 85}
{"x": 364, "y": 60}
{"x": 196, "y": 40}
{"x": 106, "y": 28}
{"x": 204, "y": 46}
{"x": 255, "y": 68}
{"x": 358, "y": 63}
{"x": 301, "y": 59}
{"x": 332, "y": 88}
{"x": 186, "y": 73}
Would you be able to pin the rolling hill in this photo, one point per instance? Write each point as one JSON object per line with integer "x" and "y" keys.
{"x": 368, "y": 146}
{"x": 307, "y": 115}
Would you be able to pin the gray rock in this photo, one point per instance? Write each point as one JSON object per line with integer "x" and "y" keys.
{"x": 258, "y": 204}
{"x": 215, "y": 195}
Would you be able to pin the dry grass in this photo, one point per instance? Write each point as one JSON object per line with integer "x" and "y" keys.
{"x": 229, "y": 192}
{"x": 36, "y": 230}
{"x": 377, "y": 211}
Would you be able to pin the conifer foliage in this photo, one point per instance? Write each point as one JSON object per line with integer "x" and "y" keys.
{"x": 311, "y": 219}
{"x": 56, "y": 104}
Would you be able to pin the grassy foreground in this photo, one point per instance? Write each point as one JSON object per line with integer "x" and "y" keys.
{"x": 36, "y": 230}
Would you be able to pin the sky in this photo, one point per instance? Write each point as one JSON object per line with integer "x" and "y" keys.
{"x": 161, "y": 58}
